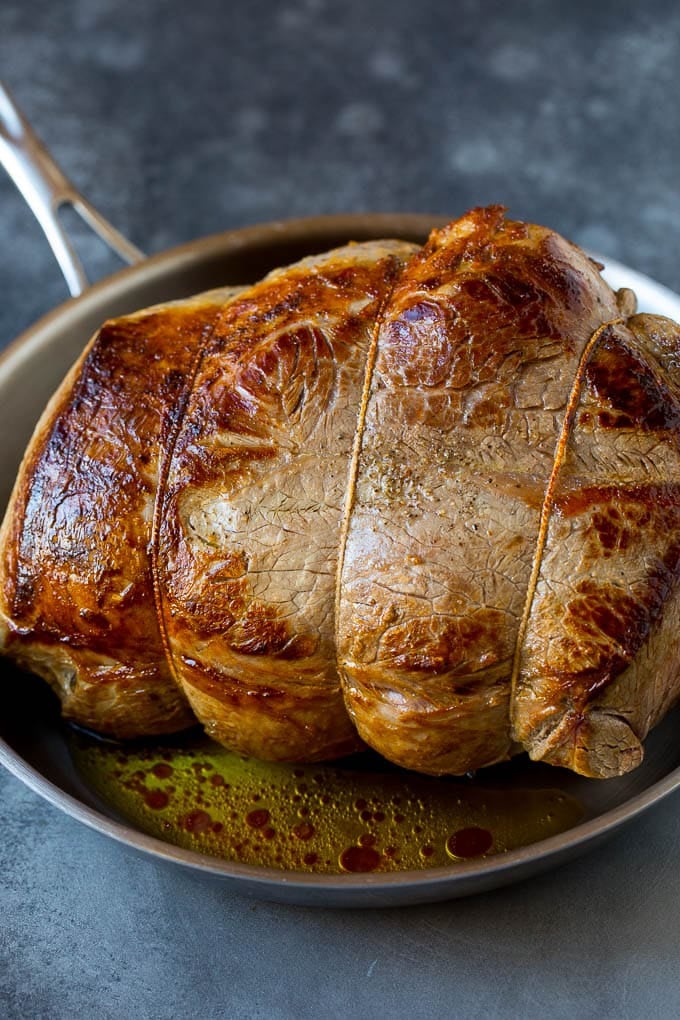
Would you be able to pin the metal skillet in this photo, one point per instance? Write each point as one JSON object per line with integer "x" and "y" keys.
{"x": 34, "y": 742}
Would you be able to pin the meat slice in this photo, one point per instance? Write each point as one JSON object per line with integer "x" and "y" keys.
{"x": 251, "y": 516}
{"x": 472, "y": 368}
{"x": 76, "y": 593}
{"x": 598, "y": 664}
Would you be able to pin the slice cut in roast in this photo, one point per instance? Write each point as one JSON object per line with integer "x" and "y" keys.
{"x": 421, "y": 498}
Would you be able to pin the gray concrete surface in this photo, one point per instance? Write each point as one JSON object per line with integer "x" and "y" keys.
{"x": 179, "y": 120}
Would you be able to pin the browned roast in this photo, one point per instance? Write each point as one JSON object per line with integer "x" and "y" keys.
{"x": 421, "y": 498}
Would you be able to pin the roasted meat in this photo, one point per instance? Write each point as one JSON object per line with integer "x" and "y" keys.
{"x": 423, "y": 499}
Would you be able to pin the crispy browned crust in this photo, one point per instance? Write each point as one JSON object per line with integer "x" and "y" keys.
{"x": 76, "y": 593}
{"x": 427, "y": 499}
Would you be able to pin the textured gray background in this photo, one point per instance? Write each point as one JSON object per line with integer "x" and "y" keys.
{"x": 184, "y": 119}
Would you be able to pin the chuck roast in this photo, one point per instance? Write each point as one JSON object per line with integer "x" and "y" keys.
{"x": 423, "y": 499}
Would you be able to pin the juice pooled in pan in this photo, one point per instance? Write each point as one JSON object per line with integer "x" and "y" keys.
{"x": 315, "y": 818}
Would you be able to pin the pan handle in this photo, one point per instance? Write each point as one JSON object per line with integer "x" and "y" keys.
{"x": 46, "y": 189}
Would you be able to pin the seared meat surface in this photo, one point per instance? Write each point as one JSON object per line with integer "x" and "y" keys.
{"x": 423, "y": 499}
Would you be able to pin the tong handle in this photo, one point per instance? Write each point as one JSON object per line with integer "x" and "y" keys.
{"x": 47, "y": 189}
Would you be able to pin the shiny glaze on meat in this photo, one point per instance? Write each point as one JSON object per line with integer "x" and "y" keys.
{"x": 76, "y": 589}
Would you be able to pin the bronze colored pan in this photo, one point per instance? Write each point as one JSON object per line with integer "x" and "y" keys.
{"x": 34, "y": 743}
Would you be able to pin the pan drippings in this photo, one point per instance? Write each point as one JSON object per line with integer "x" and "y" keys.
{"x": 317, "y": 818}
